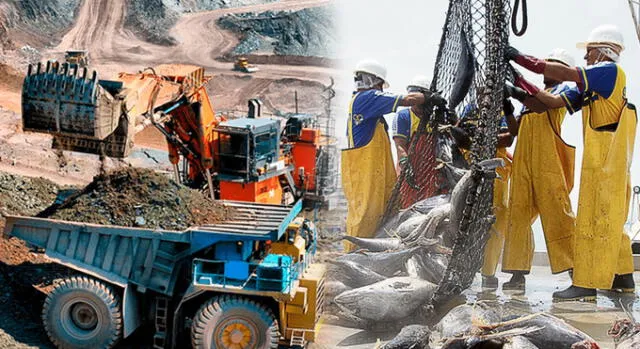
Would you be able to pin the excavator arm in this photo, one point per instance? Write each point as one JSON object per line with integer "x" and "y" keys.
{"x": 101, "y": 117}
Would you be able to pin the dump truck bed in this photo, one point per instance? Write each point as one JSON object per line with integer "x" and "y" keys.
{"x": 150, "y": 259}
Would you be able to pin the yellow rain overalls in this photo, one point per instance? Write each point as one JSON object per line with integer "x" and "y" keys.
{"x": 500, "y": 209}
{"x": 542, "y": 178}
{"x": 368, "y": 177}
{"x": 602, "y": 248}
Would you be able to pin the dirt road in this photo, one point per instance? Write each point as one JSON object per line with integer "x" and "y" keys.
{"x": 200, "y": 41}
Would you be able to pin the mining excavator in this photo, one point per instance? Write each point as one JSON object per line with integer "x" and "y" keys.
{"x": 248, "y": 281}
{"x": 247, "y": 159}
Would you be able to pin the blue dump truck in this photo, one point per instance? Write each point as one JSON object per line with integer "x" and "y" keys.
{"x": 248, "y": 281}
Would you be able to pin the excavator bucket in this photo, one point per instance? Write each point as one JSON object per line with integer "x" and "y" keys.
{"x": 82, "y": 113}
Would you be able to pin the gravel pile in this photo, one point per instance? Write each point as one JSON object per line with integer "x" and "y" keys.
{"x": 137, "y": 197}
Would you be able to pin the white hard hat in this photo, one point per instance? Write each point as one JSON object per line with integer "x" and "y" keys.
{"x": 562, "y": 56}
{"x": 604, "y": 34}
{"x": 420, "y": 81}
{"x": 374, "y": 68}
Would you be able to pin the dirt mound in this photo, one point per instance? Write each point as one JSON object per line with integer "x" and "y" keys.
{"x": 137, "y": 197}
{"x": 10, "y": 78}
{"x": 138, "y": 50}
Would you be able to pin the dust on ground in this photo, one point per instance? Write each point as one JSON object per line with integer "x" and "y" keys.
{"x": 137, "y": 197}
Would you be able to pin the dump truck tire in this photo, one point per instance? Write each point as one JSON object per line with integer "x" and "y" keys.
{"x": 234, "y": 322}
{"x": 81, "y": 312}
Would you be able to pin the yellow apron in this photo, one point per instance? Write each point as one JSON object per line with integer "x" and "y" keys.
{"x": 543, "y": 171}
{"x": 602, "y": 248}
{"x": 368, "y": 177}
{"x": 500, "y": 209}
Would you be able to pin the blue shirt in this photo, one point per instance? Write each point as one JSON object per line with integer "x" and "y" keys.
{"x": 366, "y": 110}
{"x": 599, "y": 78}
{"x": 402, "y": 124}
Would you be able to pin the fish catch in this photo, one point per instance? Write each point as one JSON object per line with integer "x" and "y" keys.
{"x": 406, "y": 227}
{"x": 490, "y": 340}
{"x": 420, "y": 208}
{"x": 465, "y": 73}
{"x": 384, "y": 263}
{"x": 430, "y": 267}
{"x": 333, "y": 288}
{"x": 354, "y": 275}
{"x": 554, "y": 332}
{"x": 519, "y": 342}
{"x": 460, "y": 320}
{"x": 375, "y": 245}
{"x": 410, "y": 337}
{"x": 460, "y": 192}
{"x": 388, "y": 300}
{"x": 625, "y": 334}
{"x": 429, "y": 226}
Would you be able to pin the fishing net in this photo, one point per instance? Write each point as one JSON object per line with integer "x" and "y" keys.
{"x": 470, "y": 74}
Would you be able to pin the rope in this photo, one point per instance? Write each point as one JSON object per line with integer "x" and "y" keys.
{"x": 514, "y": 18}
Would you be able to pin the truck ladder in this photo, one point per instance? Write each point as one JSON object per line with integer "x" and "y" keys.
{"x": 162, "y": 312}
{"x": 297, "y": 337}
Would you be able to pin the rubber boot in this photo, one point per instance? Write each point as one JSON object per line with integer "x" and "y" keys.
{"x": 517, "y": 282}
{"x": 489, "y": 282}
{"x": 624, "y": 284}
{"x": 575, "y": 293}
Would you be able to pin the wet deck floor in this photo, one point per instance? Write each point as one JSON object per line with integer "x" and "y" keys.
{"x": 593, "y": 318}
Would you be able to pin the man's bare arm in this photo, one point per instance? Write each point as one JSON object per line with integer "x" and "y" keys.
{"x": 550, "y": 100}
{"x": 401, "y": 146}
{"x": 411, "y": 99}
{"x": 561, "y": 72}
{"x": 505, "y": 140}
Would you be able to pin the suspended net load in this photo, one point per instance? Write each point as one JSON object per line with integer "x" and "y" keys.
{"x": 469, "y": 74}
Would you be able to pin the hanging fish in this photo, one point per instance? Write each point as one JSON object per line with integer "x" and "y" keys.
{"x": 465, "y": 72}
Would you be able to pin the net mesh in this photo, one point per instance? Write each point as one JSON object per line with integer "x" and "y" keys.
{"x": 473, "y": 42}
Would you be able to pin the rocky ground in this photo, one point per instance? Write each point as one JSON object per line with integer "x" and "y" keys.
{"x": 152, "y": 19}
{"x": 307, "y": 32}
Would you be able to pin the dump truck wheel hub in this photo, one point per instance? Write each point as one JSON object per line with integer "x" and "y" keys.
{"x": 238, "y": 334}
{"x": 84, "y": 316}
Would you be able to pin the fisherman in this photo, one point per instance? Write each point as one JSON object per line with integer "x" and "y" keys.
{"x": 493, "y": 248}
{"x": 368, "y": 173}
{"x": 602, "y": 251}
{"x": 407, "y": 120}
{"x": 541, "y": 181}
{"x": 432, "y": 148}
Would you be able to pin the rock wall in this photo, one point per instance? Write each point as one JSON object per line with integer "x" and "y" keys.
{"x": 151, "y": 20}
{"x": 35, "y": 22}
{"x": 308, "y": 32}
